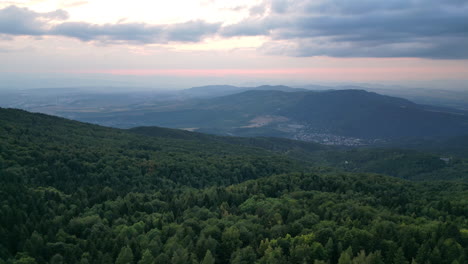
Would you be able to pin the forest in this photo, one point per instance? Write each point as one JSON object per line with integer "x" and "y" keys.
{"x": 73, "y": 192}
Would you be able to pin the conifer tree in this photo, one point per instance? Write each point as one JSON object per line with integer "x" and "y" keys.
{"x": 208, "y": 259}
{"x": 399, "y": 257}
{"x": 147, "y": 258}
{"x": 346, "y": 256}
{"x": 125, "y": 256}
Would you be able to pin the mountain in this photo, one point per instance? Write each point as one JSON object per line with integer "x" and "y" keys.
{"x": 211, "y": 91}
{"x": 41, "y": 149}
{"x": 73, "y": 192}
{"x": 350, "y": 117}
{"x": 454, "y": 97}
{"x": 361, "y": 114}
{"x": 334, "y": 117}
{"x": 72, "y": 136}
{"x": 435, "y": 163}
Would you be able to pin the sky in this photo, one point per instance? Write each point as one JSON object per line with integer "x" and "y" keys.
{"x": 184, "y": 42}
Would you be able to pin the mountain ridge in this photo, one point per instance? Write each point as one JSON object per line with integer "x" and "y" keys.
{"x": 210, "y": 91}
{"x": 41, "y": 128}
{"x": 334, "y": 117}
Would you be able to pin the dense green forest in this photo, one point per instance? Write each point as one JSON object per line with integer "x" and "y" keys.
{"x": 398, "y": 162}
{"x": 80, "y": 193}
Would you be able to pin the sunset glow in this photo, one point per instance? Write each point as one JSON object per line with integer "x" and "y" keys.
{"x": 354, "y": 74}
{"x": 282, "y": 40}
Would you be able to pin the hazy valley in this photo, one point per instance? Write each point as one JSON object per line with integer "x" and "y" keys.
{"x": 333, "y": 117}
{"x": 233, "y": 132}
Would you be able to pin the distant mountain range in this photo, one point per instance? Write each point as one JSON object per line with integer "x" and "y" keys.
{"x": 335, "y": 117}
{"x": 211, "y": 91}
{"x": 350, "y": 117}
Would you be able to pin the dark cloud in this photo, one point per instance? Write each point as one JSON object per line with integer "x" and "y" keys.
{"x": 22, "y": 21}
{"x": 257, "y": 10}
{"x": 279, "y": 6}
{"x": 441, "y": 49}
{"x": 127, "y": 31}
{"x": 363, "y": 28}
{"x": 435, "y": 29}
{"x": 192, "y": 31}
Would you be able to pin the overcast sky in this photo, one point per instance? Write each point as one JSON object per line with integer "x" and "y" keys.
{"x": 279, "y": 41}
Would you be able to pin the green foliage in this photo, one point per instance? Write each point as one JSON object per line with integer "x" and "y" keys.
{"x": 78, "y": 193}
{"x": 125, "y": 256}
{"x": 399, "y": 257}
{"x": 24, "y": 259}
{"x": 147, "y": 258}
{"x": 244, "y": 256}
{"x": 346, "y": 257}
{"x": 208, "y": 259}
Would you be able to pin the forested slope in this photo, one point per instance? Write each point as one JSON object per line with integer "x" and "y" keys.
{"x": 41, "y": 149}
{"x": 398, "y": 162}
{"x": 78, "y": 193}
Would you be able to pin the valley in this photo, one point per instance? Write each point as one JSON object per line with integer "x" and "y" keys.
{"x": 332, "y": 117}
{"x": 233, "y": 132}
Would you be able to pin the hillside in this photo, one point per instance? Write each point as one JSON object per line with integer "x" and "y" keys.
{"x": 369, "y": 115}
{"x": 58, "y": 150}
{"x": 70, "y": 136}
{"x": 341, "y": 117}
{"x": 391, "y": 161}
{"x": 79, "y": 193}
{"x": 349, "y": 117}
{"x": 350, "y": 113}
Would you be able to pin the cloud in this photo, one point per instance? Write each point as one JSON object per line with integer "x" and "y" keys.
{"x": 251, "y": 27}
{"x": 443, "y": 49}
{"x": 191, "y": 31}
{"x": 362, "y": 28}
{"x": 257, "y": 10}
{"x": 435, "y": 29}
{"x": 22, "y": 21}
{"x": 12, "y": 50}
{"x": 5, "y": 37}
